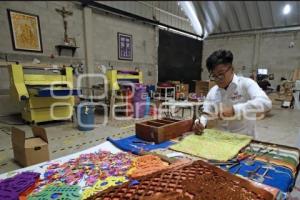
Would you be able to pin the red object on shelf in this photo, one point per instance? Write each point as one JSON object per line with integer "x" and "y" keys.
{"x": 165, "y": 84}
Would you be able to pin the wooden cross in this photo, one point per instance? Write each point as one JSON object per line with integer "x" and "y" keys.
{"x": 64, "y": 13}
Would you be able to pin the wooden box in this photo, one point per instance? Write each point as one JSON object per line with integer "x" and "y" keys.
{"x": 160, "y": 130}
{"x": 202, "y": 87}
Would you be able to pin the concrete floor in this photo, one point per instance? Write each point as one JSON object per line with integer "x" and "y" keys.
{"x": 64, "y": 138}
{"x": 281, "y": 126}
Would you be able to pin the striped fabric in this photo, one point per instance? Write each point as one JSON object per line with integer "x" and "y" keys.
{"x": 288, "y": 158}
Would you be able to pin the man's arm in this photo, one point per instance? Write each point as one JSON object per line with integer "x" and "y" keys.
{"x": 201, "y": 122}
{"x": 259, "y": 101}
{"x": 207, "y": 109}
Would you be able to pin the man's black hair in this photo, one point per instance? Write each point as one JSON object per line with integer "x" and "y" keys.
{"x": 218, "y": 57}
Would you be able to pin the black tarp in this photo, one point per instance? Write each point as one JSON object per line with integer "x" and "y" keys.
{"x": 179, "y": 58}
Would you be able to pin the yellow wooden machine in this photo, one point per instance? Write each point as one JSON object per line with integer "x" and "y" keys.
{"x": 44, "y": 94}
{"x": 115, "y": 77}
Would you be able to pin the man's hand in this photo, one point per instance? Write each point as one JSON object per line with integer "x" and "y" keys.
{"x": 226, "y": 112}
{"x": 198, "y": 127}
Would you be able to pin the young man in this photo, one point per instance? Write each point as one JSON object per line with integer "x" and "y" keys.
{"x": 234, "y": 101}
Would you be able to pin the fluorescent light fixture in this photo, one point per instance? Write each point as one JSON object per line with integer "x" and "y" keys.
{"x": 286, "y": 9}
{"x": 205, "y": 34}
{"x": 179, "y": 32}
{"x": 190, "y": 11}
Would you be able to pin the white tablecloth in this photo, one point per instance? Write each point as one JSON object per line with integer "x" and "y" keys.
{"x": 41, "y": 167}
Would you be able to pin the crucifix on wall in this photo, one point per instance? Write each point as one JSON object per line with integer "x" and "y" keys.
{"x": 64, "y": 13}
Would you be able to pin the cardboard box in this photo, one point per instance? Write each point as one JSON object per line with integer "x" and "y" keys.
{"x": 184, "y": 88}
{"x": 202, "y": 87}
{"x": 275, "y": 98}
{"x": 296, "y": 74}
{"x": 30, "y": 151}
{"x": 183, "y": 91}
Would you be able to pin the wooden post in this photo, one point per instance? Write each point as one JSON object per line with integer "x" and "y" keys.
{"x": 112, "y": 103}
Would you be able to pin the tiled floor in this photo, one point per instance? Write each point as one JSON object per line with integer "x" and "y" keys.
{"x": 281, "y": 126}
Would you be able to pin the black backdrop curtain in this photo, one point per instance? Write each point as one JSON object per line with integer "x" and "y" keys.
{"x": 179, "y": 58}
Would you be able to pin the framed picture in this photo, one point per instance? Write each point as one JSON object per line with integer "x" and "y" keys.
{"x": 125, "y": 47}
{"x": 25, "y": 31}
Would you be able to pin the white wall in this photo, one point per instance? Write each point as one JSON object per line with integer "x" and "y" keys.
{"x": 144, "y": 44}
{"x": 273, "y": 53}
{"x": 277, "y": 56}
{"x": 241, "y": 47}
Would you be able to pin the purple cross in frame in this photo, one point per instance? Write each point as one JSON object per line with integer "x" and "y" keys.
{"x": 125, "y": 47}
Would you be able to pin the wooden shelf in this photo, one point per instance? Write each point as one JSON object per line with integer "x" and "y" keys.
{"x": 60, "y": 47}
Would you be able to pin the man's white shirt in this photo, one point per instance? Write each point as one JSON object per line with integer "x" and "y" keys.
{"x": 247, "y": 99}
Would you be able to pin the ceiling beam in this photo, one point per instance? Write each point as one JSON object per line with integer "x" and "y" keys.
{"x": 207, "y": 12}
{"x": 271, "y": 12}
{"x": 251, "y": 19}
{"x": 256, "y": 31}
{"x": 278, "y": 6}
{"x": 259, "y": 15}
{"x": 284, "y": 16}
{"x": 292, "y": 18}
{"x": 261, "y": 9}
{"x": 218, "y": 15}
{"x": 298, "y": 3}
{"x": 232, "y": 16}
{"x": 275, "y": 13}
{"x": 243, "y": 5}
{"x": 223, "y": 14}
{"x": 235, "y": 15}
{"x": 207, "y": 18}
{"x": 202, "y": 18}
